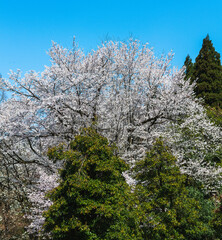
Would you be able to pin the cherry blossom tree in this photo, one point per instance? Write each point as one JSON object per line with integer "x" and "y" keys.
{"x": 40, "y": 203}
{"x": 131, "y": 95}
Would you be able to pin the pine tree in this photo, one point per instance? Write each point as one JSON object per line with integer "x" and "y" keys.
{"x": 93, "y": 200}
{"x": 208, "y": 73}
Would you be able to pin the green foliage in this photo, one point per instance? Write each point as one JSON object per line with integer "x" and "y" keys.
{"x": 207, "y": 71}
{"x": 215, "y": 157}
{"x": 92, "y": 201}
{"x": 169, "y": 210}
{"x": 215, "y": 114}
{"x": 189, "y": 67}
{"x": 205, "y": 210}
{"x": 217, "y": 218}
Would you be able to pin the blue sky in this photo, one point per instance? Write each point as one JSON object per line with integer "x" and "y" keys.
{"x": 28, "y": 27}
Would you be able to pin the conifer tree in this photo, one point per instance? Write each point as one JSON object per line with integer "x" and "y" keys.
{"x": 208, "y": 74}
{"x": 93, "y": 200}
{"x": 169, "y": 212}
{"x": 189, "y": 67}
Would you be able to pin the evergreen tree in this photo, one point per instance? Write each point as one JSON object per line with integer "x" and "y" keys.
{"x": 93, "y": 200}
{"x": 168, "y": 209}
{"x": 189, "y": 67}
{"x": 208, "y": 73}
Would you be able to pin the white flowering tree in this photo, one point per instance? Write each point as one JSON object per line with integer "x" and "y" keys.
{"x": 133, "y": 97}
{"x": 40, "y": 203}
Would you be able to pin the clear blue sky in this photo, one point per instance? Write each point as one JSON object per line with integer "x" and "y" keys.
{"x": 28, "y": 27}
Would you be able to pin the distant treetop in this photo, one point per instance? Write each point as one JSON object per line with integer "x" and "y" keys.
{"x": 207, "y": 72}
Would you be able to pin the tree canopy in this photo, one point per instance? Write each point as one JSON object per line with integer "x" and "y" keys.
{"x": 189, "y": 68}
{"x": 169, "y": 211}
{"x": 93, "y": 200}
{"x": 207, "y": 72}
{"x": 133, "y": 97}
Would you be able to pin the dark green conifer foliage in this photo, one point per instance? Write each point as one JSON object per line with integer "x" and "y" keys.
{"x": 208, "y": 73}
{"x": 169, "y": 211}
{"x": 93, "y": 200}
{"x": 189, "y": 67}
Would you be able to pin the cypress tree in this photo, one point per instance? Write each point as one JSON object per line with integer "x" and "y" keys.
{"x": 189, "y": 67}
{"x": 93, "y": 200}
{"x": 168, "y": 209}
{"x": 208, "y": 73}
